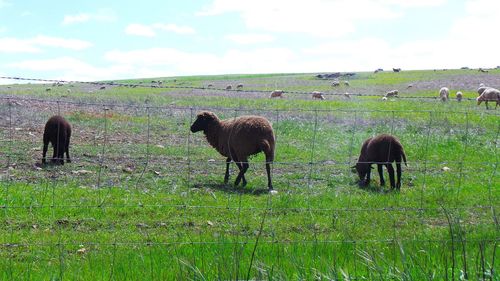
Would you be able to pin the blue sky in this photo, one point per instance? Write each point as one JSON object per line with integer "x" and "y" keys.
{"x": 95, "y": 40}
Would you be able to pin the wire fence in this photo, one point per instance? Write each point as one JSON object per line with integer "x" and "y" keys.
{"x": 150, "y": 149}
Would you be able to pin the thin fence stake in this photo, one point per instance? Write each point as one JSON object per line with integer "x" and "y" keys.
{"x": 147, "y": 148}
{"x": 313, "y": 144}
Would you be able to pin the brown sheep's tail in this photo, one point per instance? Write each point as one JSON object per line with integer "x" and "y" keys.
{"x": 404, "y": 157}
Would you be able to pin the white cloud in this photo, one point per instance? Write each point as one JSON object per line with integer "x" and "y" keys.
{"x": 3, "y": 29}
{"x": 321, "y": 18}
{"x": 174, "y": 28}
{"x": 103, "y": 15}
{"x": 73, "y": 69}
{"x": 14, "y": 45}
{"x": 140, "y": 30}
{"x": 32, "y": 45}
{"x": 250, "y": 38}
{"x": 150, "y": 30}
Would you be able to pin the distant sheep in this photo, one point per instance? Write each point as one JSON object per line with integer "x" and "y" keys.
{"x": 48, "y": 89}
{"x": 318, "y": 95}
{"x": 396, "y": 69}
{"x": 239, "y": 86}
{"x": 57, "y": 132}
{"x": 444, "y": 94}
{"x": 347, "y": 95}
{"x": 393, "y": 93}
{"x": 384, "y": 98}
{"x": 237, "y": 139}
{"x": 229, "y": 87}
{"x": 381, "y": 150}
{"x": 409, "y": 86}
{"x": 346, "y": 83}
{"x": 482, "y": 70}
{"x": 277, "y": 93}
{"x": 335, "y": 83}
{"x": 459, "y": 96}
{"x": 489, "y": 94}
{"x": 210, "y": 85}
{"x": 102, "y": 88}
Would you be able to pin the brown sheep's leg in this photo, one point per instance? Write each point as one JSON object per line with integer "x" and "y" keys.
{"x": 60, "y": 154}
{"x": 381, "y": 174}
{"x": 54, "y": 154}
{"x": 390, "y": 169}
{"x": 68, "y": 159}
{"x": 367, "y": 181}
{"x": 268, "y": 170}
{"x": 44, "y": 155}
{"x": 226, "y": 176}
{"x": 241, "y": 175}
{"x": 398, "y": 171}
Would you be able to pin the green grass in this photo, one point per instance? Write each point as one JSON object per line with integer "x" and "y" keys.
{"x": 170, "y": 217}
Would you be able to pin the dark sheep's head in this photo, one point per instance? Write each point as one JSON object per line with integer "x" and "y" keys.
{"x": 362, "y": 170}
{"x": 203, "y": 119}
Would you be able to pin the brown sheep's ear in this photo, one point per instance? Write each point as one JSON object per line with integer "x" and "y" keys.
{"x": 206, "y": 115}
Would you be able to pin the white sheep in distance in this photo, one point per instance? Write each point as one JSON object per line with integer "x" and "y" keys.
{"x": 277, "y": 94}
{"x": 347, "y": 83}
{"x": 444, "y": 93}
{"x": 317, "y": 95}
{"x": 459, "y": 96}
{"x": 335, "y": 83}
{"x": 489, "y": 94}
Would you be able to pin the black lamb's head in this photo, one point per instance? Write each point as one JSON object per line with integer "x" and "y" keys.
{"x": 203, "y": 120}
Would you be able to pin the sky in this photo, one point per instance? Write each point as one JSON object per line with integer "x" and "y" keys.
{"x": 102, "y": 40}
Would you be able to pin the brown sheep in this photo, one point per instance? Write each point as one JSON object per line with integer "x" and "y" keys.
{"x": 393, "y": 93}
{"x": 277, "y": 93}
{"x": 58, "y": 133}
{"x": 381, "y": 150}
{"x": 489, "y": 94}
{"x": 237, "y": 139}
{"x": 317, "y": 95}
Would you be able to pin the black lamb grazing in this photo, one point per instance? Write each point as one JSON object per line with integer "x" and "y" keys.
{"x": 381, "y": 150}
{"x": 58, "y": 133}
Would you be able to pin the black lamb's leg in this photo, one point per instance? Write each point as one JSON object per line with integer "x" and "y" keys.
{"x": 390, "y": 169}
{"x": 381, "y": 174}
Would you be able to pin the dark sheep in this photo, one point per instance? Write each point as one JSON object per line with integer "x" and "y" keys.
{"x": 57, "y": 132}
{"x": 381, "y": 150}
{"x": 396, "y": 69}
{"x": 237, "y": 139}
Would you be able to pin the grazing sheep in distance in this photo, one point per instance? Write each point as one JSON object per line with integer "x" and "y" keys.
{"x": 210, "y": 85}
{"x": 277, "y": 93}
{"x": 57, "y": 132}
{"x": 237, "y": 139}
{"x": 489, "y": 94}
{"x": 347, "y": 95}
{"x": 102, "y": 88}
{"x": 409, "y": 86}
{"x": 48, "y": 89}
{"x": 396, "y": 69}
{"x": 346, "y": 83}
{"x": 317, "y": 95}
{"x": 381, "y": 150}
{"x": 482, "y": 70}
{"x": 459, "y": 96}
{"x": 239, "y": 86}
{"x": 229, "y": 87}
{"x": 481, "y": 89}
{"x": 335, "y": 83}
{"x": 393, "y": 93}
{"x": 384, "y": 98}
{"x": 444, "y": 93}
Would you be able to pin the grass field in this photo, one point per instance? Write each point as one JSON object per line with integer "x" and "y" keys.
{"x": 143, "y": 198}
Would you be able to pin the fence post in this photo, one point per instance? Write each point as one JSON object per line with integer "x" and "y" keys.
{"x": 147, "y": 147}
{"x": 102, "y": 156}
{"x": 188, "y": 179}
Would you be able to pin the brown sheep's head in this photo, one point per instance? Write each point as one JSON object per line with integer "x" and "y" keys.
{"x": 203, "y": 119}
{"x": 362, "y": 170}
